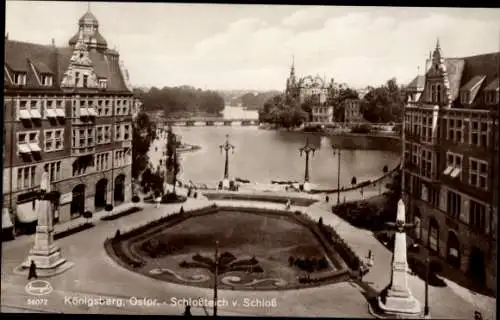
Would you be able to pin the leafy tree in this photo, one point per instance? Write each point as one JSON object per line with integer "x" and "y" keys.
{"x": 182, "y": 101}
{"x": 144, "y": 132}
{"x": 383, "y": 104}
{"x": 336, "y": 98}
{"x": 283, "y": 112}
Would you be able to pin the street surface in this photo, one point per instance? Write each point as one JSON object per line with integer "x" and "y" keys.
{"x": 97, "y": 275}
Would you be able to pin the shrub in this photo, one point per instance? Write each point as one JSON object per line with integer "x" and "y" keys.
{"x": 298, "y": 212}
{"x": 136, "y": 199}
{"x": 87, "y": 215}
{"x": 108, "y": 207}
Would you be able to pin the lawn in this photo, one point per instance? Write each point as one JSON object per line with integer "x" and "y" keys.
{"x": 256, "y": 248}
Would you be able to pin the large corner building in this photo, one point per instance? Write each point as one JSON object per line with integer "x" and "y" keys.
{"x": 67, "y": 111}
{"x": 451, "y": 161}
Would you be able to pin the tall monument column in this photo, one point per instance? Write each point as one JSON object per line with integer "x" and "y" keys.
{"x": 45, "y": 252}
{"x": 397, "y": 298}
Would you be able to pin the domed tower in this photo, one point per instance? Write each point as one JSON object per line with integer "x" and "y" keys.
{"x": 89, "y": 27}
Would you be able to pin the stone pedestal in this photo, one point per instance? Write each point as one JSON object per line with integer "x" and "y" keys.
{"x": 225, "y": 184}
{"x": 397, "y": 299}
{"x": 45, "y": 253}
{"x": 307, "y": 186}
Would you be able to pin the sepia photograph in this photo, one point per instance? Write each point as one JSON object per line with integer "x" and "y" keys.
{"x": 246, "y": 160}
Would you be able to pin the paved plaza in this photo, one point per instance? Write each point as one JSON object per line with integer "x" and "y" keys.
{"x": 95, "y": 274}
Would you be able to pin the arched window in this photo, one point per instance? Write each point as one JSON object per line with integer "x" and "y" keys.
{"x": 433, "y": 94}
{"x": 438, "y": 93}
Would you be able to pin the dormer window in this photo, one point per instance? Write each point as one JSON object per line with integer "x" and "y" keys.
{"x": 47, "y": 80}
{"x": 77, "y": 79}
{"x": 103, "y": 83}
{"x": 20, "y": 78}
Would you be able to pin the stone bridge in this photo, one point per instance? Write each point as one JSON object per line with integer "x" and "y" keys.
{"x": 190, "y": 122}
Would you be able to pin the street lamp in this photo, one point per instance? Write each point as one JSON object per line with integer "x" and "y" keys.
{"x": 426, "y": 302}
{"x": 216, "y": 271}
{"x": 226, "y": 146}
{"x": 337, "y": 152}
{"x": 307, "y": 149}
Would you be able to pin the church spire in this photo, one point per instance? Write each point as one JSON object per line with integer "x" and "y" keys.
{"x": 437, "y": 56}
{"x": 292, "y": 69}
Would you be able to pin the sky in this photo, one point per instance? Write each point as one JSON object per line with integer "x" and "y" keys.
{"x": 251, "y": 47}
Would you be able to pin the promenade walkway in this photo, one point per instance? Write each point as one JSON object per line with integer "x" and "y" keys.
{"x": 95, "y": 274}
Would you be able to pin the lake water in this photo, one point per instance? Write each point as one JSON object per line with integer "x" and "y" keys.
{"x": 264, "y": 155}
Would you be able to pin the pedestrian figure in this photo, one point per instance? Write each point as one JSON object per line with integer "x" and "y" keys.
{"x": 181, "y": 211}
{"x": 478, "y": 315}
{"x": 327, "y": 199}
{"x": 158, "y": 201}
{"x": 189, "y": 192}
{"x": 187, "y": 311}
{"x": 195, "y": 195}
{"x": 370, "y": 258}
{"x": 288, "y": 204}
{"x": 32, "y": 272}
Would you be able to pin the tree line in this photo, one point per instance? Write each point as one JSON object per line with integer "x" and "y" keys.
{"x": 182, "y": 101}
{"x": 382, "y": 104}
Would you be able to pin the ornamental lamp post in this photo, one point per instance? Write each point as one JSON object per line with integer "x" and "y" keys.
{"x": 226, "y": 146}
{"x": 307, "y": 149}
{"x": 216, "y": 271}
{"x": 336, "y": 151}
{"x": 426, "y": 303}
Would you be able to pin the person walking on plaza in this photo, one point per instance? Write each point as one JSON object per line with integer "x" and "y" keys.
{"x": 32, "y": 272}
{"x": 181, "y": 211}
{"x": 327, "y": 199}
{"x": 187, "y": 311}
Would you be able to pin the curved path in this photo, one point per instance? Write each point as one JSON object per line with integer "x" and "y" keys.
{"x": 97, "y": 275}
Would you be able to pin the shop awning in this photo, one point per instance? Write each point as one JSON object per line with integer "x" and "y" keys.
{"x": 24, "y": 114}
{"x": 51, "y": 113}
{"x": 84, "y": 112}
{"x": 92, "y": 112}
{"x": 35, "y": 114}
{"x": 60, "y": 113}
{"x": 448, "y": 170}
{"x": 455, "y": 172}
{"x": 6, "y": 220}
{"x": 26, "y": 213}
{"x": 24, "y": 148}
{"x": 34, "y": 147}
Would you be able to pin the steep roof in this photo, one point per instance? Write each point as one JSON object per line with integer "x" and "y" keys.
{"x": 480, "y": 72}
{"x": 493, "y": 85}
{"x": 55, "y": 60}
{"x": 417, "y": 83}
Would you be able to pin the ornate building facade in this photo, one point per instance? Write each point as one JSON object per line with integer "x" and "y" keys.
{"x": 451, "y": 161}
{"x": 314, "y": 88}
{"x": 68, "y": 112}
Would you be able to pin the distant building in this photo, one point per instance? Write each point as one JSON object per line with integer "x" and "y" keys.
{"x": 451, "y": 161}
{"x": 352, "y": 112}
{"x": 68, "y": 112}
{"x": 314, "y": 88}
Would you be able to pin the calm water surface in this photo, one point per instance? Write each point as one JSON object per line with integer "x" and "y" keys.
{"x": 262, "y": 155}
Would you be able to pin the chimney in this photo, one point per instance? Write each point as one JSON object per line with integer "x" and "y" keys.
{"x": 53, "y": 42}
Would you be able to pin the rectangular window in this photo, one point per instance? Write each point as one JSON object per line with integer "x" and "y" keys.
{"x": 85, "y": 80}
{"x": 478, "y": 173}
{"x": 126, "y": 134}
{"x": 26, "y": 177}
{"x": 118, "y": 135}
{"x": 53, "y": 140}
{"x": 453, "y": 165}
{"x": 477, "y": 216}
{"x": 454, "y": 204}
{"x": 100, "y": 135}
{"x": 54, "y": 170}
